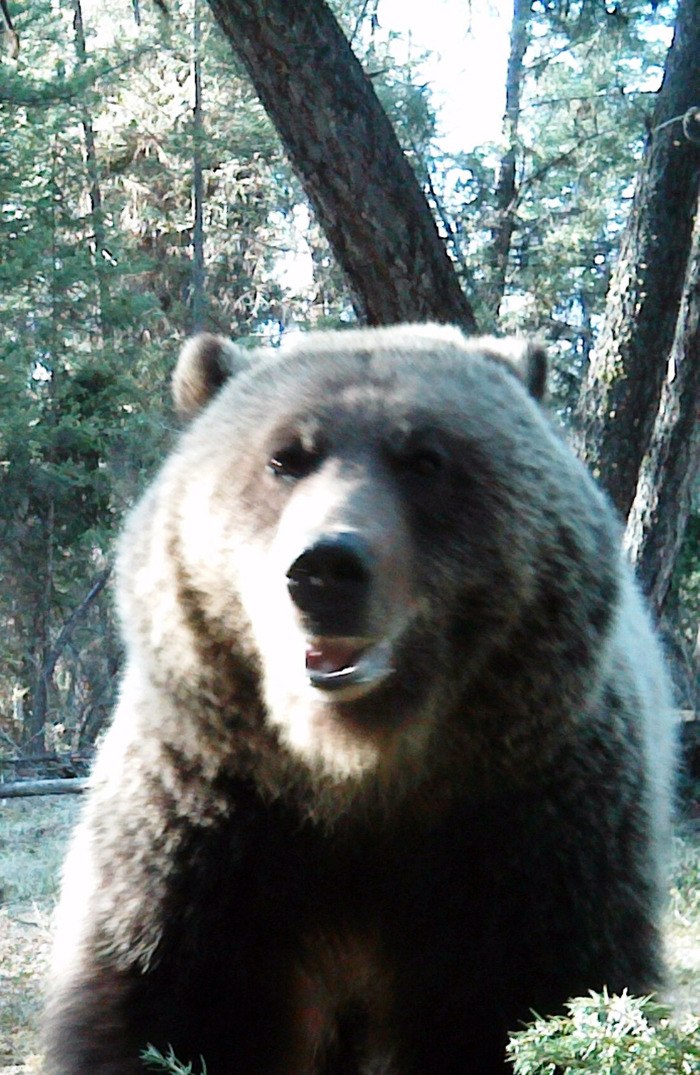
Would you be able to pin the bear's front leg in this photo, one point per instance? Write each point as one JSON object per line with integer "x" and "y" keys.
{"x": 137, "y": 962}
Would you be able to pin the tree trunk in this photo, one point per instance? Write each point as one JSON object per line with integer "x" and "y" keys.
{"x": 621, "y": 392}
{"x": 198, "y": 277}
{"x": 34, "y": 731}
{"x": 506, "y": 185}
{"x": 43, "y": 590}
{"x": 660, "y": 510}
{"x": 95, "y": 193}
{"x": 365, "y": 195}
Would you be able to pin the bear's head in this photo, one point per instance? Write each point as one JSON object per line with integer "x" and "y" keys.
{"x": 383, "y": 530}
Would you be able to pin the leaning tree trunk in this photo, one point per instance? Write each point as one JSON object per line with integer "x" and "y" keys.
{"x": 198, "y": 304}
{"x": 620, "y": 396}
{"x": 341, "y": 143}
{"x": 662, "y": 504}
{"x": 506, "y": 185}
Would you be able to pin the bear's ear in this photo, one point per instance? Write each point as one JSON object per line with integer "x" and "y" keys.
{"x": 527, "y": 359}
{"x": 206, "y": 362}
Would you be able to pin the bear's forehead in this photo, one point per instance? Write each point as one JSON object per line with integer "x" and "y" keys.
{"x": 358, "y": 400}
{"x": 369, "y": 411}
{"x": 400, "y": 387}
{"x": 339, "y": 423}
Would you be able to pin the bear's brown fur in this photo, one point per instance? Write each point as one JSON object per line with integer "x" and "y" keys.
{"x": 391, "y": 764}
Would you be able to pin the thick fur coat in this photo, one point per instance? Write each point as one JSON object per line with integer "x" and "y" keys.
{"x": 392, "y": 760}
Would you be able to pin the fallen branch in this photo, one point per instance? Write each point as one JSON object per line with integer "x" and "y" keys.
{"x": 18, "y": 788}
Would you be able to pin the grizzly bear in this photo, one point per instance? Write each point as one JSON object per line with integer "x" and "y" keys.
{"x": 391, "y": 764}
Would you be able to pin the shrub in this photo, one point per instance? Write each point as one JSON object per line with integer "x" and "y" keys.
{"x": 608, "y": 1035}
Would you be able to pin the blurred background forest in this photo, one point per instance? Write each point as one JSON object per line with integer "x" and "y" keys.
{"x": 144, "y": 193}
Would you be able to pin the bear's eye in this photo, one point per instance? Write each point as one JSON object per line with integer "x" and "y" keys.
{"x": 294, "y": 461}
{"x": 425, "y": 462}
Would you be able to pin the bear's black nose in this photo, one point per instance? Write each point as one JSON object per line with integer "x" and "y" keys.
{"x": 330, "y": 584}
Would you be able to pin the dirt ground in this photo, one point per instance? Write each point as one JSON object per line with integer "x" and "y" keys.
{"x": 33, "y": 837}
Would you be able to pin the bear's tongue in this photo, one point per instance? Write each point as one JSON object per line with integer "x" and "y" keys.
{"x": 333, "y": 656}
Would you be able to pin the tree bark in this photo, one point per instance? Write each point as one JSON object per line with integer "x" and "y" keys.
{"x": 9, "y": 30}
{"x": 621, "y": 392}
{"x": 198, "y": 275}
{"x": 34, "y": 731}
{"x": 362, "y": 188}
{"x": 661, "y": 506}
{"x": 94, "y": 190}
{"x": 506, "y": 184}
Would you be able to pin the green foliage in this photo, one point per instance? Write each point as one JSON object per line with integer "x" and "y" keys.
{"x": 687, "y": 578}
{"x": 608, "y": 1035}
{"x": 156, "y": 1061}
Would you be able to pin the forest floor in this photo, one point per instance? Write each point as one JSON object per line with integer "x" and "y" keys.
{"x": 33, "y": 837}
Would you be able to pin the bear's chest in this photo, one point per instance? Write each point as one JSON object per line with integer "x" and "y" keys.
{"x": 341, "y": 1004}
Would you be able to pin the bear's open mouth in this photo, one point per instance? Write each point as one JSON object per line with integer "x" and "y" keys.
{"x": 354, "y": 664}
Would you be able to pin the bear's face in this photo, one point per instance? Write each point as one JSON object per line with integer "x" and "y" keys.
{"x": 367, "y": 516}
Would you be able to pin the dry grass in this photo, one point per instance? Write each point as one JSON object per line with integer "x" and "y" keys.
{"x": 683, "y": 927}
{"x": 33, "y": 836}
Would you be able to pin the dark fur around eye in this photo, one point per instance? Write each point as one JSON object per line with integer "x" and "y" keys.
{"x": 293, "y": 461}
{"x": 423, "y": 462}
